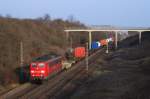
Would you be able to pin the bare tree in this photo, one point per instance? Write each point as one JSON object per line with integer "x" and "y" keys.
{"x": 71, "y": 18}
{"x": 8, "y": 16}
{"x": 1, "y": 16}
{"x": 47, "y": 18}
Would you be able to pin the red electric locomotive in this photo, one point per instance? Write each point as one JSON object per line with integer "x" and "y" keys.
{"x": 43, "y": 67}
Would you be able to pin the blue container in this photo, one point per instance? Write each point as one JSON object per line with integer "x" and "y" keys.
{"x": 95, "y": 45}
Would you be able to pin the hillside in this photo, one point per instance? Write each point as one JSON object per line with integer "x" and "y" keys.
{"x": 39, "y": 36}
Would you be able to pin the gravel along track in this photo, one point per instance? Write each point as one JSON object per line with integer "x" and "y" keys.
{"x": 53, "y": 87}
{"x": 19, "y": 91}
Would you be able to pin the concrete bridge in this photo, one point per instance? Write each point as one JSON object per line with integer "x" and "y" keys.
{"x": 116, "y": 31}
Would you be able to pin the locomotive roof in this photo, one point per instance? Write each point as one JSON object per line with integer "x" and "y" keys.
{"x": 46, "y": 57}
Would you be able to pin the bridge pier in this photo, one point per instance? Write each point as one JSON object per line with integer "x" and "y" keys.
{"x": 116, "y": 40}
{"x": 90, "y": 39}
{"x": 140, "y": 36}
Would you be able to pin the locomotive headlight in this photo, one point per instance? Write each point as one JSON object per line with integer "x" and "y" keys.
{"x": 42, "y": 71}
{"x": 32, "y": 71}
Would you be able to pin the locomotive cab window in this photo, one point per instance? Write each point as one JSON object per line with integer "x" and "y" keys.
{"x": 41, "y": 64}
{"x": 33, "y": 65}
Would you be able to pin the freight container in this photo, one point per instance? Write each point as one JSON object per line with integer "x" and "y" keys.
{"x": 95, "y": 45}
{"x": 80, "y": 52}
{"x": 103, "y": 42}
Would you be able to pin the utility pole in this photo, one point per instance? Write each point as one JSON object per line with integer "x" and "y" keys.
{"x": 21, "y": 63}
{"x": 107, "y": 44}
{"x": 71, "y": 42}
{"x": 21, "y": 54}
{"x": 107, "y": 48}
{"x": 67, "y": 35}
{"x": 87, "y": 58}
{"x": 67, "y": 38}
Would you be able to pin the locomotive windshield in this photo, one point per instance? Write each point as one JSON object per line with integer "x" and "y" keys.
{"x": 33, "y": 65}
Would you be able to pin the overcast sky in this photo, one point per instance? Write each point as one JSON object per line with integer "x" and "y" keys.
{"x": 90, "y": 12}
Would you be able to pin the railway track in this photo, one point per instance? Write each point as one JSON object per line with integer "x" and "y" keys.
{"x": 58, "y": 82}
{"x": 68, "y": 87}
{"x": 52, "y": 87}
